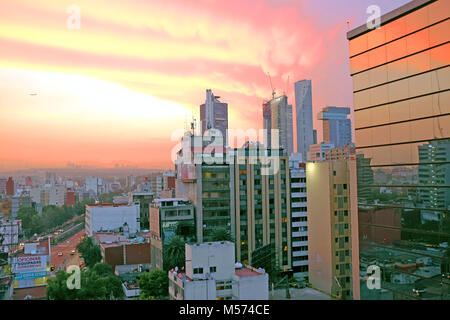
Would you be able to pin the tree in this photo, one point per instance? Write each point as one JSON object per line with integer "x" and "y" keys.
{"x": 102, "y": 269}
{"x": 30, "y": 220}
{"x": 174, "y": 253}
{"x": 57, "y": 287}
{"x": 154, "y": 285}
{"x": 99, "y": 283}
{"x": 186, "y": 230}
{"x": 90, "y": 252}
{"x": 221, "y": 234}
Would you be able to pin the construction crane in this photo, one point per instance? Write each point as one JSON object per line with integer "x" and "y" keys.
{"x": 271, "y": 86}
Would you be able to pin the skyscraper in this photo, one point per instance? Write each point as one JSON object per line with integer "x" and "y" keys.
{"x": 401, "y": 82}
{"x": 214, "y": 115}
{"x": 337, "y": 128}
{"x": 277, "y": 115}
{"x": 303, "y": 108}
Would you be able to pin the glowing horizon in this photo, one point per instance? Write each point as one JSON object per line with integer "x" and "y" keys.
{"x": 115, "y": 89}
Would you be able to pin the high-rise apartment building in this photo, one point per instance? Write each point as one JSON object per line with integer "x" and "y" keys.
{"x": 10, "y": 187}
{"x": 50, "y": 178}
{"x": 130, "y": 181}
{"x": 277, "y": 115}
{"x": 262, "y": 206}
{"x": 48, "y": 195}
{"x": 401, "y": 82}
{"x": 299, "y": 219}
{"x": 214, "y": 115}
{"x": 436, "y": 159}
{"x": 208, "y": 184}
{"x": 333, "y": 249}
{"x": 337, "y": 127}
{"x": 303, "y": 109}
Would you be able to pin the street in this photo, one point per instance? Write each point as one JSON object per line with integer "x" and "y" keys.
{"x": 61, "y": 262}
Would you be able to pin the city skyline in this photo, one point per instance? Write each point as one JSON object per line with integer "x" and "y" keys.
{"x": 69, "y": 97}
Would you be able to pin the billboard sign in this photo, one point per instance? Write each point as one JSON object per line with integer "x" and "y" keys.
{"x": 29, "y": 264}
{"x": 31, "y": 275}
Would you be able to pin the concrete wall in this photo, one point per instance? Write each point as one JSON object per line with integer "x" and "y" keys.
{"x": 252, "y": 288}
{"x": 319, "y": 225}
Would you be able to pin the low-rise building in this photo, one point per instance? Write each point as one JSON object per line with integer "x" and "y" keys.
{"x": 212, "y": 274}
{"x": 317, "y": 151}
{"x": 112, "y": 217}
{"x": 123, "y": 254}
{"x": 31, "y": 267}
{"x": 170, "y": 217}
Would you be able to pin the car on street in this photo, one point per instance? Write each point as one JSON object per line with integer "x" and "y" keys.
{"x": 72, "y": 252}
{"x": 60, "y": 254}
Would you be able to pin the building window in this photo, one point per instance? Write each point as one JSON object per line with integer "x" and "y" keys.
{"x": 212, "y": 269}
{"x": 198, "y": 270}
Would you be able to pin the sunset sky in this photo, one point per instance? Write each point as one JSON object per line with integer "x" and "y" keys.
{"x": 117, "y": 88}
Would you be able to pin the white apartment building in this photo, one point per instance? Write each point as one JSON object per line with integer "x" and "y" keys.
{"x": 211, "y": 274}
{"x": 112, "y": 217}
{"x": 299, "y": 219}
{"x": 49, "y": 195}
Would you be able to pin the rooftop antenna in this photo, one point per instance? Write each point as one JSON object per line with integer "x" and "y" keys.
{"x": 271, "y": 86}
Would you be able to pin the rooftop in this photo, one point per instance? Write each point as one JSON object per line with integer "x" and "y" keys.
{"x": 107, "y": 204}
{"x": 114, "y": 239}
{"x": 247, "y": 272}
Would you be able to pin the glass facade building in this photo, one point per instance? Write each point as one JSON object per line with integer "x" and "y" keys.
{"x": 401, "y": 82}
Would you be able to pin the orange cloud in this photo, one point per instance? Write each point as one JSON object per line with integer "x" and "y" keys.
{"x": 131, "y": 55}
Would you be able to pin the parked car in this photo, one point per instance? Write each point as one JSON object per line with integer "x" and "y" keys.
{"x": 60, "y": 254}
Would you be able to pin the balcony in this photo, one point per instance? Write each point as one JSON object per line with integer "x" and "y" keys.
{"x": 299, "y": 214}
{"x": 300, "y": 253}
{"x": 298, "y": 195}
{"x": 300, "y": 224}
{"x": 299, "y": 243}
{"x": 299, "y": 263}
{"x": 298, "y": 174}
{"x": 298, "y": 185}
{"x": 299, "y": 234}
{"x": 298, "y": 204}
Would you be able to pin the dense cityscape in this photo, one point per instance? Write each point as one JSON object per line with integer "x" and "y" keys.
{"x": 358, "y": 210}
